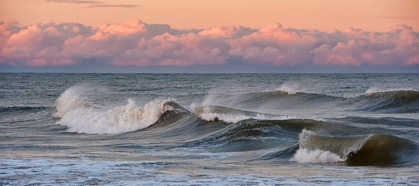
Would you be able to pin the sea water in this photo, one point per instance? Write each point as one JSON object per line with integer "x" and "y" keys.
{"x": 209, "y": 129}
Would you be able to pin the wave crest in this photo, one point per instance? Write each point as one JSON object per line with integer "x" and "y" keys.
{"x": 83, "y": 117}
{"x": 315, "y": 156}
{"x": 71, "y": 99}
{"x": 230, "y": 115}
{"x": 394, "y": 101}
{"x": 289, "y": 88}
{"x": 365, "y": 150}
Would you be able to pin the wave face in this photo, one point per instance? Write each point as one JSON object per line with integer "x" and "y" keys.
{"x": 229, "y": 115}
{"x": 82, "y": 116}
{"x": 392, "y": 101}
{"x": 397, "y": 101}
{"x": 364, "y": 150}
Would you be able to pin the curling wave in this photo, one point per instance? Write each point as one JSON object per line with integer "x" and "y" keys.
{"x": 365, "y": 150}
{"x": 82, "y": 116}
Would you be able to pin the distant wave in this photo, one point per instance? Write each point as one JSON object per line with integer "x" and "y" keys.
{"x": 394, "y": 101}
{"x": 372, "y": 90}
{"x": 289, "y": 88}
{"x": 230, "y": 115}
{"x": 258, "y": 130}
{"x": 382, "y": 101}
{"x": 21, "y": 108}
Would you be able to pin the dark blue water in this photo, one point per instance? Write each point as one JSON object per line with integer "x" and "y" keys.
{"x": 206, "y": 129}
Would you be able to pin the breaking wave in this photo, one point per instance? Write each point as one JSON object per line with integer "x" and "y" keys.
{"x": 315, "y": 156}
{"x": 364, "y": 150}
{"x": 82, "y": 116}
{"x": 394, "y": 101}
{"x": 230, "y": 115}
{"x": 379, "y": 101}
{"x": 229, "y": 129}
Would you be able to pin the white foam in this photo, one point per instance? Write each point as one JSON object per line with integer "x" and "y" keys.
{"x": 315, "y": 156}
{"x": 86, "y": 118}
{"x": 372, "y": 90}
{"x": 289, "y": 88}
{"x": 89, "y": 172}
{"x": 69, "y": 100}
{"x": 207, "y": 114}
{"x": 305, "y": 155}
{"x": 234, "y": 118}
{"x": 349, "y": 147}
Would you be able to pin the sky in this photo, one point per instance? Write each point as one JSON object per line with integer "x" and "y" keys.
{"x": 209, "y": 36}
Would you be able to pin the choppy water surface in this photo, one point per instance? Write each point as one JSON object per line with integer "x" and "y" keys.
{"x": 206, "y": 129}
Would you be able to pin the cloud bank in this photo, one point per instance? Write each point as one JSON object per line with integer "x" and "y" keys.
{"x": 135, "y": 43}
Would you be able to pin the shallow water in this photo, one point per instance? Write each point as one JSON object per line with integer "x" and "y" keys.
{"x": 205, "y": 129}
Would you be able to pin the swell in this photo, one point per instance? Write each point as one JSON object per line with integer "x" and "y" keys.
{"x": 21, "y": 108}
{"x": 253, "y": 134}
{"x": 230, "y": 115}
{"x": 394, "y": 101}
{"x": 280, "y": 98}
{"x": 397, "y": 101}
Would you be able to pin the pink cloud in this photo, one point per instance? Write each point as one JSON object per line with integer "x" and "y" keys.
{"x": 141, "y": 44}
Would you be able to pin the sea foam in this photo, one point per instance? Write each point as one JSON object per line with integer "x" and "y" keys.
{"x": 304, "y": 155}
{"x": 209, "y": 114}
{"x": 234, "y": 118}
{"x": 315, "y": 156}
{"x": 314, "y": 148}
{"x": 83, "y": 117}
{"x": 289, "y": 88}
{"x": 373, "y": 90}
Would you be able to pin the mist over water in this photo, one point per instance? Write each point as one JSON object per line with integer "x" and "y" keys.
{"x": 209, "y": 128}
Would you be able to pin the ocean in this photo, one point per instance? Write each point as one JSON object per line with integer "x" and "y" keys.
{"x": 209, "y": 129}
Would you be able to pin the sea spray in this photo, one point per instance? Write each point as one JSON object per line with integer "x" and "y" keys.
{"x": 290, "y": 88}
{"x": 71, "y": 99}
{"x": 229, "y": 115}
{"x": 81, "y": 116}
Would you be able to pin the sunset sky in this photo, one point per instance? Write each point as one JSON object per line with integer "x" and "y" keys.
{"x": 183, "y": 35}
